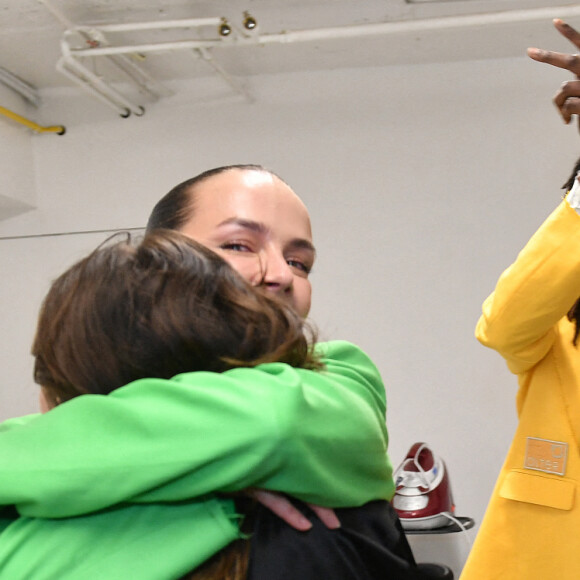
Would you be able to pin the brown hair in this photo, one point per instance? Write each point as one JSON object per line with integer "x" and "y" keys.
{"x": 230, "y": 563}
{"x": 164, "y": 306}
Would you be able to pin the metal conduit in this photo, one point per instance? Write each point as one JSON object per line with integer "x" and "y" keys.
{"x": 58, "y": 129}
{"x": 70, "y": 64}
{"x": 352, "y": 31}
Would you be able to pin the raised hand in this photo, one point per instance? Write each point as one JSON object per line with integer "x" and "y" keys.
{"x": 567, "y": 99}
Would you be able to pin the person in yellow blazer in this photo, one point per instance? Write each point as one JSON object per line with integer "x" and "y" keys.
{"x": 531, "y": 529}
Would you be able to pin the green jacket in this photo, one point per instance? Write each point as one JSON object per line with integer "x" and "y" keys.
{"x": 124, "y": 485}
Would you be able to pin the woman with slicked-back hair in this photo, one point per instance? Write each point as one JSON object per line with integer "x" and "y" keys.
{"x": 227, "y": 397}
{"x": 167, "y": 324}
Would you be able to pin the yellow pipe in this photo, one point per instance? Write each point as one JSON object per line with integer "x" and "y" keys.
{"x": 59, "y": 129}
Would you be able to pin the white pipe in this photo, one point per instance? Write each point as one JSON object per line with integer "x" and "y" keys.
{"x": 159, "y": 47}
{"x": 238, "y": 87}
{"x": 141, "y": 78}
{"x": 137, "y": 75}
{"x": 95, "y": 82}
{"x": 25, "y": 90}
{"x": 61, "y": 67}
{"x": 186, "y": 23}
{"x": 355, "y": 31}
{"x": 447, "y": 22}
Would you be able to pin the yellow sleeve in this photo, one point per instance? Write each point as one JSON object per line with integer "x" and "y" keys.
{"x": 519, "y": 318}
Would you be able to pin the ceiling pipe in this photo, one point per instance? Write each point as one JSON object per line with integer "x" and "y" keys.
{"x": 97, "y": 41}
{"x": 82, "y": 76}
{"x": 354, "y": 31}
{"x": 146, "y": 83}
{"x": 58, "y": 129}
{"x": 142, "y": 79}
{"x": 122, "y": 111}
{"x": 237, "y": 86}
{"x": 25, "y": 90}
{"x": 143, "y": 48}
{"x": 165, "y": 24}
{"x": 98, "y": 45}
{"x": 428, "y": 24}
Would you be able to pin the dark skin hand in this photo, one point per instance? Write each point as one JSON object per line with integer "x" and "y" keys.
{"x": 567, "y": 99}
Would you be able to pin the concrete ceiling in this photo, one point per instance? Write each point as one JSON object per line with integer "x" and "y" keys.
{"x": 381, "y": 32}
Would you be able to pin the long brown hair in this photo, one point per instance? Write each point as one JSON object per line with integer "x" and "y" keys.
{"x": 157, "y": 308}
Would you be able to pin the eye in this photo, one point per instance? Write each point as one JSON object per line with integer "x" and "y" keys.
{"x": 236, "y": 247}
{"x": 299, "y": 265}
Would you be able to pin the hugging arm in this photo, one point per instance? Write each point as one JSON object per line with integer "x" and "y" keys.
{"x": 318, "y": 436}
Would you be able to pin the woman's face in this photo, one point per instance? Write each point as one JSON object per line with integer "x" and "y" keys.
{"x": 261, "y": 227}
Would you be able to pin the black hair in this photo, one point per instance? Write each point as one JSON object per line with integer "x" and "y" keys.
{"x": 574, "y": 312}
{"x": 175, "y": 208}
{"x": 570, "y": 182}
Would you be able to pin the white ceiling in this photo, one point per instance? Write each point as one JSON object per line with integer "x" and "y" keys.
{"x": 416, "y": 31}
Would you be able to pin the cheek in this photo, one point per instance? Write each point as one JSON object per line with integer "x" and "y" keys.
{"x": 247, "y": 265}
{"x": 302, "y": 296}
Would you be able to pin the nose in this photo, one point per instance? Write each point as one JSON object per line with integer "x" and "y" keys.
{"x": 277, "y": 275}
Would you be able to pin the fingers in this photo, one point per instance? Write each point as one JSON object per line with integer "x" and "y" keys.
{"x": 569, "y": 62}
{"x": 567, "y": 100}
{"x": 563, "y": 60}
{"x": 568, "y": 32}
{"x": 281, "y": 506}
{"x": 326, "y": 516}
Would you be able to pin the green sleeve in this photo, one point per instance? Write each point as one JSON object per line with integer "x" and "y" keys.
{"x": 148, "y": 542}
{"x": 17, "y": 422}
{"x": 319, "y": 436}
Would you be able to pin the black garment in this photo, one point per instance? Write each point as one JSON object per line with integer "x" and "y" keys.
{"x": 369, "y": 545}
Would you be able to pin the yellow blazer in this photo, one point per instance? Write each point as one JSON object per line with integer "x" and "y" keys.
{"x": 531, "y": 529}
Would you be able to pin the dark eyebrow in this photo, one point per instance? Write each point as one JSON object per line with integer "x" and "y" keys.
{"x": 260, "y": 228}
{"x": 248, "y": 224}
{"x": 302, "y": 244}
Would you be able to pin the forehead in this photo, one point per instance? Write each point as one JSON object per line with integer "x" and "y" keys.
{"x": 249, "y": 195}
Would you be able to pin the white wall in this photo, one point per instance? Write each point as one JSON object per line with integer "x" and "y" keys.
{"x": 17, "y": 189}
{"x": 423, "y": 183}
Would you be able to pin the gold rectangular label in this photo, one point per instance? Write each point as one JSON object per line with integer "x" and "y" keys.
{"x": 545, "y": 455}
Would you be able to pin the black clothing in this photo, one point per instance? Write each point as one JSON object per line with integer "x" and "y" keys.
{"x": 369, "y": 545}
